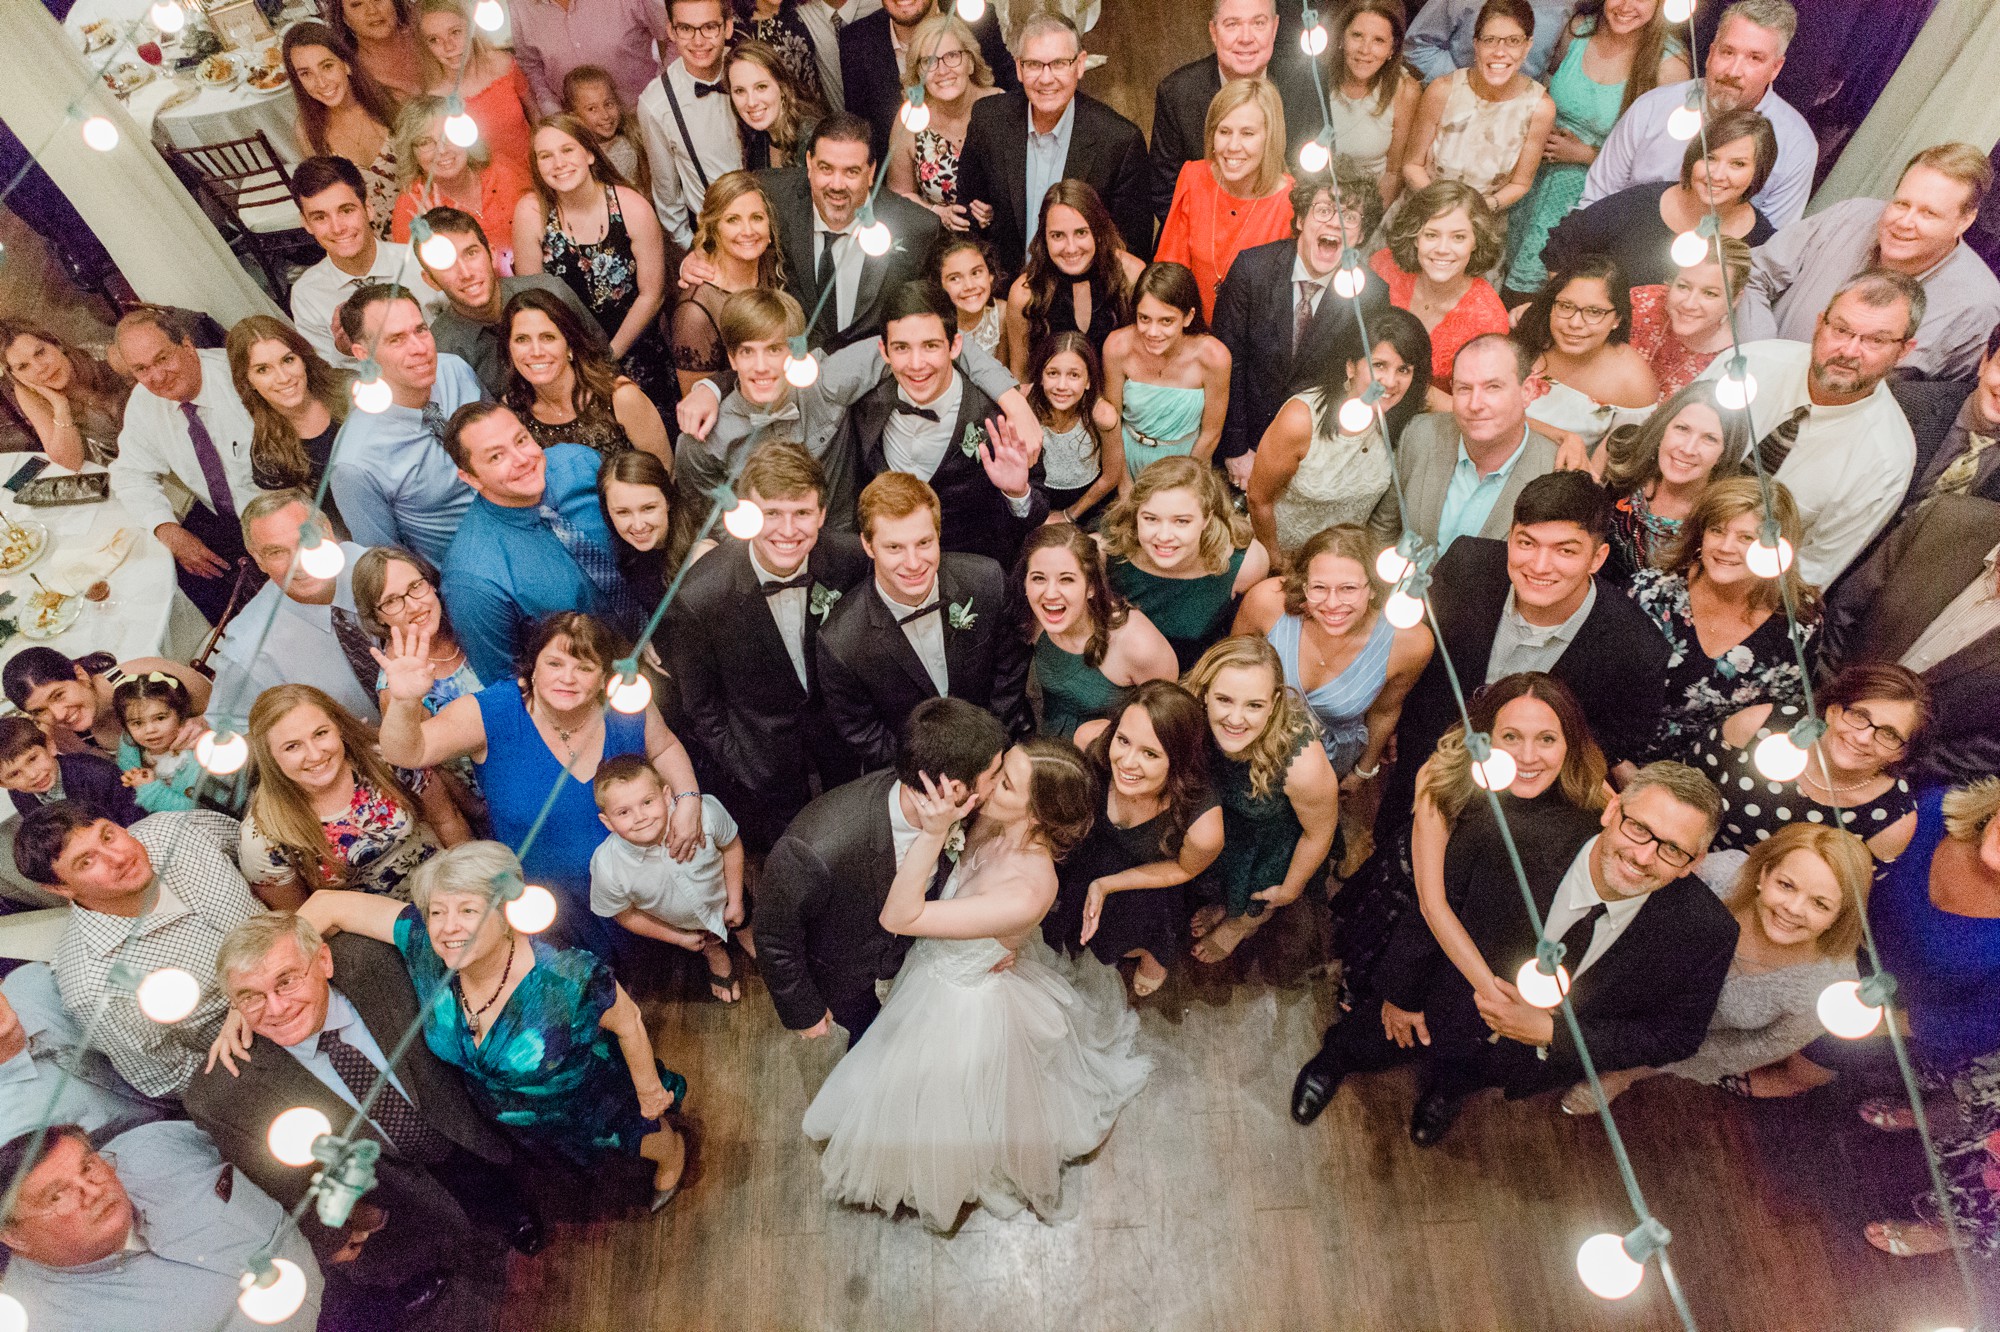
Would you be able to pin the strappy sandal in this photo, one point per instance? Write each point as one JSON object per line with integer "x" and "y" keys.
{"x": 1887, "y": 1114}
{"x": 1144, "y": 988}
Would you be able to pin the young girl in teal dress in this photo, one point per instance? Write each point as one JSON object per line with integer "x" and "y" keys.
{"x": 1164, "y": 375}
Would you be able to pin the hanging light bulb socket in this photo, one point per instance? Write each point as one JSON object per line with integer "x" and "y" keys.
{"x": 1853, "y": 1009}
{"x": 222, "y": 752}
{"x": 1313, "y": 36}
{"x": 533, "y": 911}
{"x": 488, "y": 16}
{"x": 1316, "y": 153}
{"x": 460, "y": 128}
{"x": 320, "y": 555}
{"x": 99, "y": 133}
{"x": 1685, "y": 120}
{"x": 272, "y": 1290}
{"x": 371, "y": 391}
{"x": 167, "y": 16}
{"x": 801, "y": 370}
{"x": 437, "y": 250}
{"x": 1737, "y": 388}
{"x": 1612, "y": 1266}
{"x": 1358, "y": 413}
{"x": 1678, "y": 11}
{"x": 1397, "y": 560}
{"x": 630, "y": 691}
{"x": 294, "y": 1133}
{"x": 1781, "y": 757}
{"x": 1771, "y": 554}
{"x": 971, "y": 10}
{"x": 1492, "y": 769}
{"x": 871, "y": 233}
{"x": 1543, "y": 980}
{"x": 1349, "y": 280}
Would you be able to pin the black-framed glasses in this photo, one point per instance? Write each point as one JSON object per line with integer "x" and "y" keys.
{"x": 706, "y": 31}
{"x": 1886, "y": 738}
{"x": 393, "y": 604}
{"x": 1590, "y": 314}
{"x": 950, "y": 61}
{"x": 1678, "y": 857}
{"x": 1034, "y": 69}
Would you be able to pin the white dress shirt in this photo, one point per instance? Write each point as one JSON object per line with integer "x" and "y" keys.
{"x": 1639, "y": 149}
{"x": 788, "y": 610}
{"x": 1575, "y": 896}
{"x": 711, "y": 125}
{"x": 317, "y": 295}
{"x": 1966, "y": 618}
{"x": 154, "y": 445}
{"x": 902, "y": 833}
{"x": 692, "y": 896}
{"x": 914, "y": 445}
{"x": 343, "y": 1021}
{"x": 925, "y": 633}
{"x": 847, "y": 261}
{"x": 1850, "y": 465}
{"x": 1301, "y": 274}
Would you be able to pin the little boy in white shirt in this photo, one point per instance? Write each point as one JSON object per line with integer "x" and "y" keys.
{"x": 636, "y": 882}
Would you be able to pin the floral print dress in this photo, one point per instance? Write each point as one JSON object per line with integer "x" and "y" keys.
{"x": 937, "y": 168}
{"x": 379, "y": 841}
{"x": 605, "y": 276}
{"x": 1703, "y": 691}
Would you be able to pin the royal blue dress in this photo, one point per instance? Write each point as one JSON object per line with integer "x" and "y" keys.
{"x": 546, "y": 1069}
{"x": 515, "y": 779}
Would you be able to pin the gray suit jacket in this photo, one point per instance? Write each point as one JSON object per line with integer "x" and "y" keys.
{"x": 1425, "y": 457}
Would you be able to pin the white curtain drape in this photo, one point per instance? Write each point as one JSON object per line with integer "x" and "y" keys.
{"x": 1942, "y": 92}
{"x": 161, "y": 240}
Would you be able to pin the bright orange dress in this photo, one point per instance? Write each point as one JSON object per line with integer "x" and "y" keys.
{"x": 1479, "y": 311}
{"x": 1206, "y": 228}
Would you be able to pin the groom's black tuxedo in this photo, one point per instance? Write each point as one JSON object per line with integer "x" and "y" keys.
{"x": 758, "y": 733}
{"x": 820, "y": 942}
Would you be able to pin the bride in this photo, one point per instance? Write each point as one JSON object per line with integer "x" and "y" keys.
{"x": 976, "y": 1084}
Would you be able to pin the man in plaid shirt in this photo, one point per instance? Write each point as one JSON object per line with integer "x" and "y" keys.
{"x": 162, "y": 893}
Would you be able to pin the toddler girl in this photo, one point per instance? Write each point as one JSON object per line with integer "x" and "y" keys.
{"x": 152, "y": 708}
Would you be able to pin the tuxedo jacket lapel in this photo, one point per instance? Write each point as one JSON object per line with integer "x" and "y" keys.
{"x": 890, "y": 639}
{"x": 961, "y": 646}
{"x": 1013, "y": 152}
{"x": 764, "y": 645}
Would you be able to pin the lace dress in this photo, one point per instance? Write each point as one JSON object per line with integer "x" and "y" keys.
{"x": 605, "y": 276}
{"x": 1342, "y": 479}
{"x": 784, "y": 33}
{"x": 600, "y": 431}
{"x": 937, "y": 168}
{"x": 977, "y": 1086}
{"x": 1675, "y": 364}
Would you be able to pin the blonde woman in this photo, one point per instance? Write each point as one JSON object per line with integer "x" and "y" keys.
{"x": 943, "y": 55}
{"x": 458, "y": 59}
{"x": 736, "y": 237}
{"x": 1239, "y": 195}
{"x": 1177, "y": 549}
{"x": 295, "y": 399}
{"x": 1798, "y": 901}
{"x": 432, "y": 172}
{"x": 1680, "y": 327}
{"x": 327, "y": 811}
{"x": 1280, "y": 799}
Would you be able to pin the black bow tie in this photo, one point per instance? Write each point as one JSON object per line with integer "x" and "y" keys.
{"x": 777, "y": 585}
{"x": 919, "y": 613}
{"x": 905, "y": 409}
{"x": 704, "y": 89}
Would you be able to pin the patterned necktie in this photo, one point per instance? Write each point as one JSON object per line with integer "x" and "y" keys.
{"x": 837, "y": 21}
{"x": 1774, "y": 447}
{"x": 221, "y": 501}
{"x": 597, "y": 563}
{"x": 408, "y": 1132}
{"x": 1302, "y": 320}
{"x": 434, "y": 422}
{"x": 355, "y": 645}
{"x": 1957, "y": 478}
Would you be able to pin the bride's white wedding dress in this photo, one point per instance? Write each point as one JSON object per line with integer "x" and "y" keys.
{"x": 975, "y": 1085}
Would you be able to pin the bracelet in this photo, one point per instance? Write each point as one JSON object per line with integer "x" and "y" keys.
{"x": 1367, "y": 774}
{"x": 679, "y": 796}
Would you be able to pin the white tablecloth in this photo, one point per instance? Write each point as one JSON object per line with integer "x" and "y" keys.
{"x": 152, "y": 617}
{"x": 212, "y": 115}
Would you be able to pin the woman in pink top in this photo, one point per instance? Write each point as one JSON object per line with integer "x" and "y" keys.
{"x": 1237, "y": 196}
{"x": 1683, "y": 326}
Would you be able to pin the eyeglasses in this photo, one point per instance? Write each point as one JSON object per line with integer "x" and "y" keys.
{"x": 1885, "y": 738}
{"x": 1590, "y": 314}
{"x": 394, "y": 604}
{"x": 1034, "y": 69}
{"x": 252, "y": 1003}
{"x": 1324, "y": 212}
{"x": 98, "y": 1167}
{"x": 1667, "y": 851}
{"x": 950, "y": 61}
{"x": 1505, "y": 43}
{"x": 1875, "y": 342}
{"x": 705, "y": 31}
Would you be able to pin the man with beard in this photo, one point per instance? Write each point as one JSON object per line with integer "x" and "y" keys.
{"x": 1827, "y": 425}
{"x": 1749, "y": 51}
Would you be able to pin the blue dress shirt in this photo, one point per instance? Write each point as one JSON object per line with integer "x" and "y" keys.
{"x": 94, "y": 1095}
{"x": 343, "y": 1020}
{"x": 1469, "y": 499}
{"x": 1440, "y": 38}
{"x": 1048, "y": 155}
{"x": 506, "y": 569}
{"x": 392, "y": 480}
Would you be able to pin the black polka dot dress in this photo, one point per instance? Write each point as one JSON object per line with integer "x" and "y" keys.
{"x": 1754, "y": 806}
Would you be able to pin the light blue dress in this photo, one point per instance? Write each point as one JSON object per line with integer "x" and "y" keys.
{"x": 1341, "y": 704}
{"x": 1161, "y": 421}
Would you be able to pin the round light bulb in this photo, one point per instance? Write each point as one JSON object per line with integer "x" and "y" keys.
{"x": 1347, "y": 282}
{"x": 1678, "y": 11}
{"x": 533, "y": 911}
{"x": 221, "y": 753}
{"x": 1540, "y": 990}
{"x": 1607, "y": 1271}
{"x": 744, "y": 521}
{"x": 1769, "y": 561}
{"x": 873, "y": 239}
{"x": 1403, "y": 610}
{"x": 1689, "y": 249}
{"x": 1313, "y": 40}
{"x": 1355, "y": 416}
{"x": 801, "y": 371}
{"x": 1314, "y": 157}
{"x": 1843, "y": 1012}
{"x": 916, "y": 117}
{"x": 100, "y": 133}
{"x": 461, "y": 129}
{"x": 438, "y": 251}
{"x": 1496, "y": 772}
{"x": 488, "y": 16}
{"x": 1684, "y": 123}
{"x": 294, "y": 1132}
{"x": 971, "y": 10}
{"x": 323, "y": 560}
{"x": 1391, "y": 565}
{"x": 1734, "y": 393}
{"x": 168, "y": 995}
{"x": 167, "y": 16}
{"x": 13, "y": 1318}
{"x": 1778, "y": 758}
{"x": 631, "y": 693}
{"x": 279, "y": 1300}
{"x": 372, "y": 395}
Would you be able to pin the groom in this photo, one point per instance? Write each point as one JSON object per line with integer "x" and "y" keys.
{"x": 820, "y": 944}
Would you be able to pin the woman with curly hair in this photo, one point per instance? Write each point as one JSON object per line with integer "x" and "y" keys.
{"x": 1280, "y": 799}
{"x": 1089, "y": 645}
{"x": 736, "y": 237}
{"x": 1078, "y": 278}
{"x": 1440, "y": 241}
{"x": 565, "y": 390}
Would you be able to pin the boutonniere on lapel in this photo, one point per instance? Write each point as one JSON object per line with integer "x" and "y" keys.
{"x": 969, "y": 443}
{"x": 820, "y": 601}
{"x": 954, "y": 842}
{"x": 960, "y": 615}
